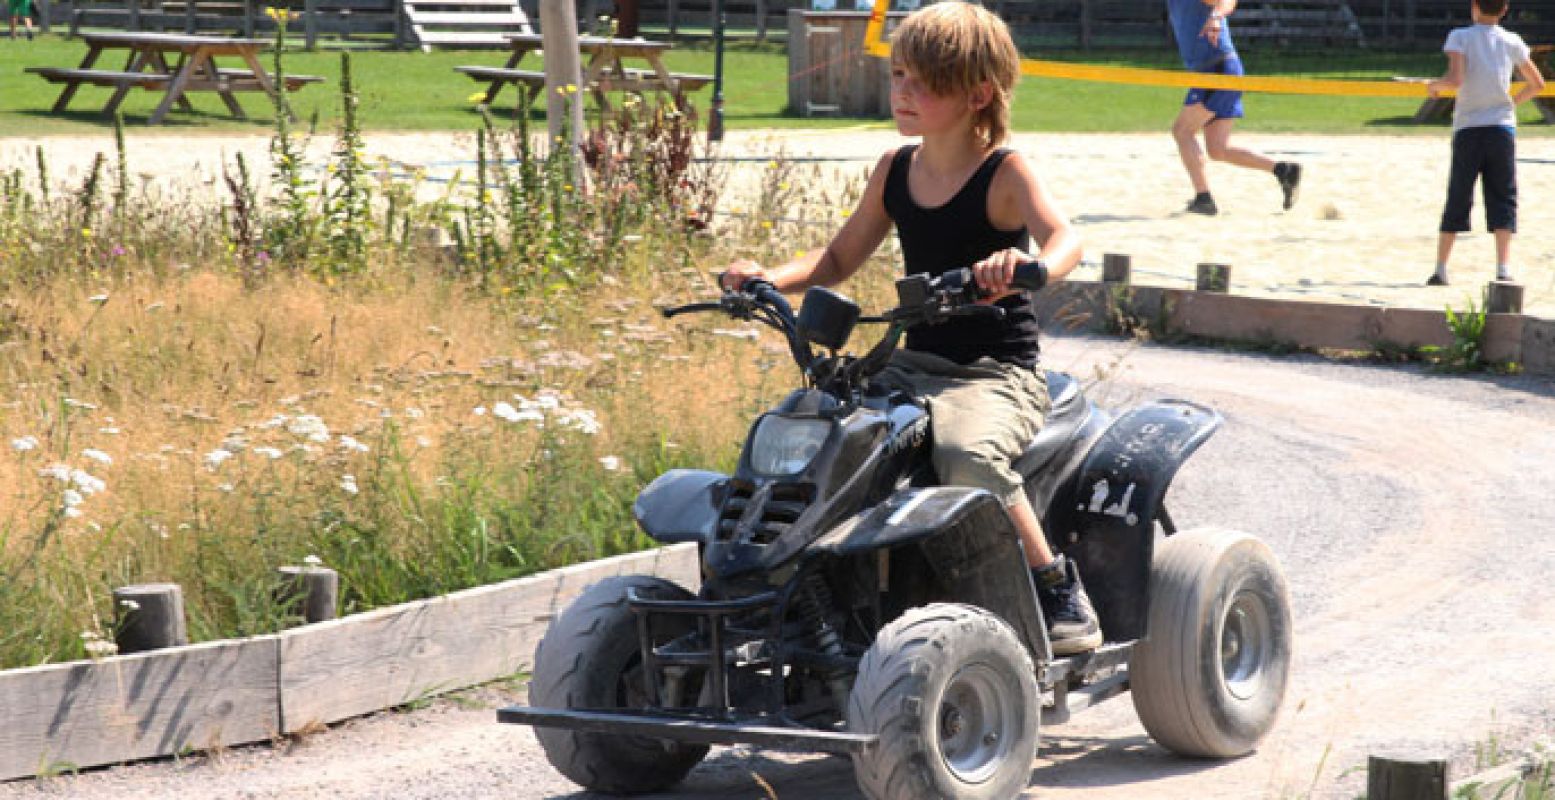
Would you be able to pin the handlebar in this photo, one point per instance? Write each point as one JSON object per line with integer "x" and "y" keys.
{"x": 920, "y": 300}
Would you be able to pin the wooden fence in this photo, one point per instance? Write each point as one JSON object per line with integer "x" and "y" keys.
{"x": 1421, "y": 24}
{"x": 216, "y": 694}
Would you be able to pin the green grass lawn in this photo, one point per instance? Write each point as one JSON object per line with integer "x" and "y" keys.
{"x": 410, "y": 90}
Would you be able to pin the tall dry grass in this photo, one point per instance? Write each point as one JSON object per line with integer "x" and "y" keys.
{"x": 184, "y": 408}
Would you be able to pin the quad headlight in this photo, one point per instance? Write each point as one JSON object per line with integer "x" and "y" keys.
{"x": 786, "y": 445}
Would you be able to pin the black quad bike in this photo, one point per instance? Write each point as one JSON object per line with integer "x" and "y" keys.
{"x": 851, "y": 604}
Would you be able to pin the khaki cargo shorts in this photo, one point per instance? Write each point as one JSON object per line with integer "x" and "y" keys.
{"x": 983, "y": 415}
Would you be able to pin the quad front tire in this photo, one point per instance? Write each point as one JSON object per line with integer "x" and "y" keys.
{"x": 590, "y": 658}
{"x": 952, "y": 693}
{"x": 1209, "y": 679}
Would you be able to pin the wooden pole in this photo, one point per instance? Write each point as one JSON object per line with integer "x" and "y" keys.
{"x": 563, "y": 107}
{"x": 1503, "y": 297}
{"x": 1402, "y": 779}
{"x": 150, "y": 617}
{"x": 315, "y": 589}
{"x": 1214, "y": 278}
{"x": 1117, "y": 268}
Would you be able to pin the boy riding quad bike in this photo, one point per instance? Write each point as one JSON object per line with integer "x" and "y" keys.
{"x": 850, "y": 603}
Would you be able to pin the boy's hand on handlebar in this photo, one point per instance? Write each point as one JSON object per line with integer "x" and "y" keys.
{"x": 739, "y": 273}
{"x": 996, "y": 273}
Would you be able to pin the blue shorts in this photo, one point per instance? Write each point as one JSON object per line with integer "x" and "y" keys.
{"x": 1223, "y": 103}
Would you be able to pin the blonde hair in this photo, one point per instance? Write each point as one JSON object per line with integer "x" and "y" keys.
{"x": 955, "y": 47}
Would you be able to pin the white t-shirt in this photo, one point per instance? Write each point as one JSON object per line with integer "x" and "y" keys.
{"x": 1490, "y": 54}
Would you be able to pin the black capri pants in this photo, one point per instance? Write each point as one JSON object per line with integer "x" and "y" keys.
{"x": 1488, "y": 154}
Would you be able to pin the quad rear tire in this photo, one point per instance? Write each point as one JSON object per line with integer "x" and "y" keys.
{"x": 590, "y": 658}
{"x": 1209, "y": 679}
{"x": 952, "y": 693}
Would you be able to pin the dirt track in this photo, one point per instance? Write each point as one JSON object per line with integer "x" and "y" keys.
{"x": 1410, "y": 511}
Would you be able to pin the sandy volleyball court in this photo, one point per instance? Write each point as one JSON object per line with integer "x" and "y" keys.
{"x": 1363, "y": 231}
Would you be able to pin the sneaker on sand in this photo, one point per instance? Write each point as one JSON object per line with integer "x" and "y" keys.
{"x": 1436, "y": 279}
{"x": 1288, "y": 173}
{"x": 1203, "y": 204}
{"x": 1071, "y": 621}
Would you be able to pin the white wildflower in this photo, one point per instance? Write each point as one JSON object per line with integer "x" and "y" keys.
{"x": 86, "y": 482}
{"x": 310, "y": 426}
{"x": 157, "y": 306}
{"x": 97, "y": 455}
{"x": 504, "y": 411}
{"x": 214, "y": 458}
{"x": 221, "y": 487}
{"x": 610, "y": 463}
{"x": 71, "y": 512}
{"x": 581, "y": 419}
{"x": 313, "y": 561}
{"x": 268, "y": 452}
{"x": 350, "y": 443}
{"x": 348, "y": 483}
{"x": 480, "y": 411}
{"x": 71, "y": 498}
{"x": 81, "y": 404}
{"x": 414, "y": 413}
{"x": 99, "y": 298}
{"x": 423, "y": 441}
{"x": 24, "y": 443}
{"x": 109, "y": 431}
{"x": 277, "y": 421}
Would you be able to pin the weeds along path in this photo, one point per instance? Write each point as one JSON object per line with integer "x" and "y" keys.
{"x": 1357, "y": 235}
{"x": 1410, "y": 513}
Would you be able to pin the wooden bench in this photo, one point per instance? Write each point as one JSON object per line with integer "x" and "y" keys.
{"x": 234, "y": 78}
{"x": 465, "y": 23}
{"x": 101, "y": 77}
{"x": 1329, "y": 21}
{"x": 630, "y": 80}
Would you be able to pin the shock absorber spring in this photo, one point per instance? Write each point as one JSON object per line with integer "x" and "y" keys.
{"x": 813, "y": 603}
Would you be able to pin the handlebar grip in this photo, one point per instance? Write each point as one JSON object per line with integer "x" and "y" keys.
{"x": 690, "y": 307}
{"x": 1032, "y": 275}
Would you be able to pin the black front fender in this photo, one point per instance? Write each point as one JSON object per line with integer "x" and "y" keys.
{"x": 681, "y": 505}
{"x": 1105, "y": 518}
{"x": 969, "y": 545}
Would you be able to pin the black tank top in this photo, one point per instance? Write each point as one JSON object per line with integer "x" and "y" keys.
{"x": 955, "y": 235}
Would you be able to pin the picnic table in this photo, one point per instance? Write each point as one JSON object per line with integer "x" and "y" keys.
{"x": 1440, "y": 108}
{"x": 605, "y": 70}
{"x": 148, "y": 66}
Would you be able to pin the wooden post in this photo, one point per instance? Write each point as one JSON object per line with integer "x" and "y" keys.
{"x": 150, "y": 617}
{"x": 1402, "y": 779}
{"x": 1117, "y": 268}
{"x": 1503, "y": 297}
{"x": 316, "y": 589}
{"x": 563, "y": 110}
{"x": 310, "y": 24}
{"x": 1214, "y": 278}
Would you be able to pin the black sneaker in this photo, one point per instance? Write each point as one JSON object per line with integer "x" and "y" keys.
{"x": 1202, "y": 204}
{"x": 1436, "y": 280}
{"x": 1071, "y": 621}
{"x": 1288, "y": 173}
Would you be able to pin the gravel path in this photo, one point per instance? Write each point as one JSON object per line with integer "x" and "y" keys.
{"x": 1410, "y": 511}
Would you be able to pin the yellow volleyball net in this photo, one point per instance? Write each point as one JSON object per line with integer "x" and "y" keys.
{"x": 876, "y": 44}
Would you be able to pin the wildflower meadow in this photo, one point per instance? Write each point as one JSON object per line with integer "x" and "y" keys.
{"x": 423, "y": 391}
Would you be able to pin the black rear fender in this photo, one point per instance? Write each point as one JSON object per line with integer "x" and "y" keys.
{"x": 946, "y": 544}
{"x": 1104, "y": 518}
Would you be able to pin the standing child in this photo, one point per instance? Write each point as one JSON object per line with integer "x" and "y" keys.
{"x": 957, "y": 200}
{"x": 21, "y": 9}
{"x": 1204, "y": 41}
{"x": 1480, "y": 59}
